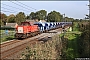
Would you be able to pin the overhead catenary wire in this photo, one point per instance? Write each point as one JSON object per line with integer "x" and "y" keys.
{"x": 12, "y": 11}
{"x": 26, "y": 5}
{"x": 20, "y": 5}
{"x": 89, "y": 9}
{"x": 14, "y": 7}
{"x": 8, "y": 9}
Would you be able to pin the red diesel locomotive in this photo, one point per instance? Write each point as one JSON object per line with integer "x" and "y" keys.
{"x": 26, "y": 29}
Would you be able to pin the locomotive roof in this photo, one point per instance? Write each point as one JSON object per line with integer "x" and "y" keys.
{"x": 31, "y": 23}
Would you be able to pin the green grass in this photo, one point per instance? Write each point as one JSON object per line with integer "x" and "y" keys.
{"x": 71, "y": 36}
{"x": 75, "y": 32}
{"x": 6, "y": 37}
{"x": 61, "y": 34}
{"x": 71, "y": 51}
{"x": 75, "y": 26}
{"x": 1, "y": 31}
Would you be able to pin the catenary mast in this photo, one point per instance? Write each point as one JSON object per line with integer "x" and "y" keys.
{"x": 89, "y": 9}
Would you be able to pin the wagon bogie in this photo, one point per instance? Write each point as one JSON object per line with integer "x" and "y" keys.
{"x": 20, "y": 35}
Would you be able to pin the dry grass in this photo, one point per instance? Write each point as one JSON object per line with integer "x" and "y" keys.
{"x": 48, "y": 50}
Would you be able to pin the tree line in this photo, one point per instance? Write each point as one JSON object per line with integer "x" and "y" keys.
{"x": 53, "y": 16}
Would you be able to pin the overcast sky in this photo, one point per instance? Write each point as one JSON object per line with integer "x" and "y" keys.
{"x": 74, "y": 9}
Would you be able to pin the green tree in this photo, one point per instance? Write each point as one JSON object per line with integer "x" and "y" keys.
{"x": 32, "y": 15}
{"x": 41, "y": 14}
{"x": 3, "y": 18}
{"x": 20, "y": 17}
{"x": 27, "y": 17}
{"x": 11, "y": 18}
{"x": 76, "y": 20}
{"x": 54, "y": 16}
{"x": 67, "y": 19}
{"x": 1, "y": 23}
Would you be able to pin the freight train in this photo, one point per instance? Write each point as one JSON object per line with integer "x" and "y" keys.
{"x": 26, "y": 29}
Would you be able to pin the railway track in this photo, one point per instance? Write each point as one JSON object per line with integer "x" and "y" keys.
{"x": 21, "y": 45}
{"x": 9, "y": 43}
{"x": 9, "y": 52}
{"x": 13, "y": 50}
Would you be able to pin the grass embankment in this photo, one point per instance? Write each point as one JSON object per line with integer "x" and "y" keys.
{"x": 72, "y": 49}
{"x": 6, "y": 36}
{"x": 49, "y": 49}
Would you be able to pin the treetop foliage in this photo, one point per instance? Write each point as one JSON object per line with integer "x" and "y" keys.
{"x": 52, "y": 16}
